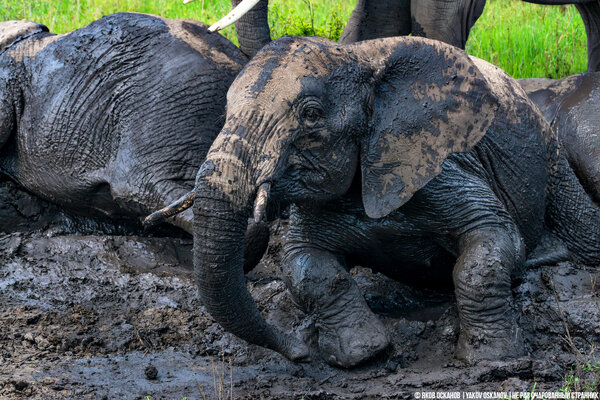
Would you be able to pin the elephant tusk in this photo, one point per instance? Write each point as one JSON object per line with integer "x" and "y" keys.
{"x": 260, "y": 204}
{"x": 238, "y": 12}
{"x": 187, "y": 1}
{"x": 179, "y": 205}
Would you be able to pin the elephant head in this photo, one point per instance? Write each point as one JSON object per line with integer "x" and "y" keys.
{"x": 306, "y": 119}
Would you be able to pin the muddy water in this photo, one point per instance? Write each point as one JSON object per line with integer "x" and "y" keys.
{"x": 87, "y": 316}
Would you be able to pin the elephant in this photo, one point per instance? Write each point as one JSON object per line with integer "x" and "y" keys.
{"x": 403, "y": 155}
{"x": 449, "y": 21}
{"x": 114, "y": 119}
{"x": 571, "y": 106}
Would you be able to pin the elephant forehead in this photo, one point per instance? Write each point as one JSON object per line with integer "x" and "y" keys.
{"x": 10, "y": 31}
{"x": 275, "y": 74}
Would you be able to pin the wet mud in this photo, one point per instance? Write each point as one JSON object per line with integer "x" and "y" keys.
{"x": 92, "y": 310}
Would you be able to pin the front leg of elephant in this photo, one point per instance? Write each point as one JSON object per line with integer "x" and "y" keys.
{"x": 482, "y": 279}
{"x": 349, "y": 332}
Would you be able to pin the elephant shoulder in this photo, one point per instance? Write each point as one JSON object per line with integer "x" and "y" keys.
{"x": 213, "y": 46}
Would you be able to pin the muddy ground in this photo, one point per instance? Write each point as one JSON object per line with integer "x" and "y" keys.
{"x": 97, "y": 316}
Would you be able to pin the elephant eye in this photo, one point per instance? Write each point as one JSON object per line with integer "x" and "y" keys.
{"x": 311, "y": 113}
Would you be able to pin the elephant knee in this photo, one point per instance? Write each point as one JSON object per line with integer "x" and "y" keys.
{"x": 482, "y": 275}
{"x": 316, "y": 279}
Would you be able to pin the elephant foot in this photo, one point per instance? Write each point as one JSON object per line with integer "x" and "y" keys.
{"x": 475, "y": 345}
{"x": 352, "y": 337}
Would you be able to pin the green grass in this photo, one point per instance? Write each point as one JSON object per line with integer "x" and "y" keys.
{"x": 546, "y": 41}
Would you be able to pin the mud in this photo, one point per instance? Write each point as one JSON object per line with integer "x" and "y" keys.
{"x": 92, "y": 310}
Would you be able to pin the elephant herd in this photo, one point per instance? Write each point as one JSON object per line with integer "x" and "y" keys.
{"x": 402, "y": 154}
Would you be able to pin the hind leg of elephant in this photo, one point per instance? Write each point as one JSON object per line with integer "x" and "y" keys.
{"x": 372, "y": 19}
{"x": 482, "y": 279}
{"x": 349, "y": 332}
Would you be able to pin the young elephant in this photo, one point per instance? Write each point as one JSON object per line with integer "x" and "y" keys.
{"x": 571, "y": 106}
{"x": 401, "y": 154}
{"x": 114, "y": 118}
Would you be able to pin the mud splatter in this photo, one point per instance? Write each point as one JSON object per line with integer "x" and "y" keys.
{"x": 78, "y": 311}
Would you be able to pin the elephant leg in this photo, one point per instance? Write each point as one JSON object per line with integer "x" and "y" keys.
{"x": 590, "y": 13}
{"x": 447, "y": 21}
{"x": 349, "y": 332}
{"x": 373, "y": 19}
{"x": 482, "y": 279}
{"x": 253, "y": 28}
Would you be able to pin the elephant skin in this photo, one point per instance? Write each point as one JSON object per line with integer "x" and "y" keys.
{"x": 114, "y": 119}
{"x": 571, "y": 106}
{"x": 403, "y": 155}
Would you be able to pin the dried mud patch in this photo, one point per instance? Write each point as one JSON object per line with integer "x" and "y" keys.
{"x": 87, "y": 315}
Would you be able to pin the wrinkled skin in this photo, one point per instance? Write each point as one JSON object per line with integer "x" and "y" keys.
{"x": 89, "y": 120}
{"x": 253, "y": 28}
{"x": 571, "y": 106}
{"x": 403, "y": 155}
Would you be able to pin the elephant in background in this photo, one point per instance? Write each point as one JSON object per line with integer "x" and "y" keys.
{"x": 404, "y": 155}
{"x": 571, "y": 106}
{"x": 113, "y": 119}
{"x": 449, "y": 21}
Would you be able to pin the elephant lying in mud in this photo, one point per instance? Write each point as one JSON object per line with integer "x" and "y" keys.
{"x": 113, "y": 119}
{"x": 404, "y": 155}
{"x": 571, "y": 106}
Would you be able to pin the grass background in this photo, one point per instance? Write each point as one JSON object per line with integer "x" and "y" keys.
{"x": 526, "y": 40}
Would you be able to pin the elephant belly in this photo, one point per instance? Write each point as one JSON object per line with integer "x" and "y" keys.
{"x": 414, "y": 260}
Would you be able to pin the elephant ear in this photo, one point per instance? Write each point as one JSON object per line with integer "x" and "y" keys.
{"x": 13, "y": 31}
{"x": 429, "y": 101}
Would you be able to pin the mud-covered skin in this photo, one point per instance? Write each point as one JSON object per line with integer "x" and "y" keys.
{"x": 571, "y": 106}
{"x": 71, "y": 321}
{"x": 400, "y": 151}
{"x": 116, "y": 117}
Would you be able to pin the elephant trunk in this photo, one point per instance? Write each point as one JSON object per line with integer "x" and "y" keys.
{"x": 221, "y": 212}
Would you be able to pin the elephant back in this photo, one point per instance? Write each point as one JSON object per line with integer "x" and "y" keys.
{"x": 14, "y": 31}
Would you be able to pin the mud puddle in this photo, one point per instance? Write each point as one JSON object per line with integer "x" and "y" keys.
{"x": 89, "y": 316}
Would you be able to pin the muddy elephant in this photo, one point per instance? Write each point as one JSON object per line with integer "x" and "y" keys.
{"x": 404, "y": 155}
{"x": 571, "y": 106}
{"x": 113, "y": 119}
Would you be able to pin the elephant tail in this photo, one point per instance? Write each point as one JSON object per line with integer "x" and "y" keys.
{"x": 179, "y": 205}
